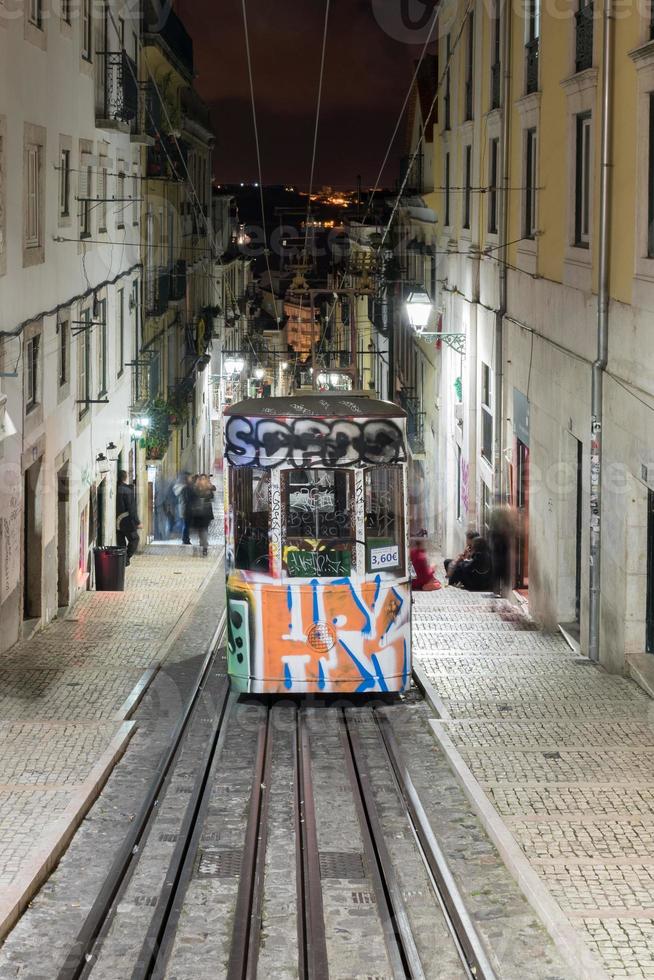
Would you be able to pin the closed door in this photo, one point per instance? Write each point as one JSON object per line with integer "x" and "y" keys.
{"x": 522, "y": 505}
{"x": 63, "y": 498}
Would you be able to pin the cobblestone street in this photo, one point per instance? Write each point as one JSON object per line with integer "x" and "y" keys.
{"x": 66, "y": 696}
{"x": 556, "y": 757}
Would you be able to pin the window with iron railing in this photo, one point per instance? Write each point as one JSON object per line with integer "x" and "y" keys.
{"x": 529, "y": 229}
{"x": 584, "y": 36}
{"x": 582, "y": 180}
{"x": 486, "y": 414}
{"x": 532, "y": 45}
{"x": 447, "y": 190}
{"x": 467, "y": 192}
{"x": 496, "y": 72}
{"x": 493, "y": 155}
{"x": 470, "y": 54}
{"x": 447, "y": 98}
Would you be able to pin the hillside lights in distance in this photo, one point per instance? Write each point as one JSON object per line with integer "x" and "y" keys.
{"x": 419, "y": 308}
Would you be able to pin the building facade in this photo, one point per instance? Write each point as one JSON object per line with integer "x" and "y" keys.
{"x": 70, "y": 288}
{"x": 531, "y": 265}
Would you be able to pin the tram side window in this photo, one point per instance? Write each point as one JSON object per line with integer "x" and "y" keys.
{"x": 319, "y": 514}
{"x": 249, "y": 495}
{"x": 384, "y": 520}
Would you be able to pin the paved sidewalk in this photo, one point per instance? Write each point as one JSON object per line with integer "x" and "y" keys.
{"x": 65, "y": 697}
{"x": 558, "y": 759}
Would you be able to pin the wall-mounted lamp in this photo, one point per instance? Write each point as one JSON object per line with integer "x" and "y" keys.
{"x": 103, "y": 464}
{"x": 112, "y": 452}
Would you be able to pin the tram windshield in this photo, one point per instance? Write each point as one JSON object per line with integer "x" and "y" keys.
{"x": 319, "y": 512}
{"x": 384, "y": 520}
{"x": 249, "y": 491}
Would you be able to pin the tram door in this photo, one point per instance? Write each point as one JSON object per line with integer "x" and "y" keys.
{"x": 319, "y": 523}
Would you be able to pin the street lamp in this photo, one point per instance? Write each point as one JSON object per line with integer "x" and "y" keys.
{"x": 234, "y": 365}
{"x": 259, "y": 373}
{"x": 419, "y": 308}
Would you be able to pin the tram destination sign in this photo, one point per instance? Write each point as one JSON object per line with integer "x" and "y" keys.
{"x": 387, "y": 557}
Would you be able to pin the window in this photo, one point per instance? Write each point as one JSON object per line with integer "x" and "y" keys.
{"x": 486, "y": 414}
{"x": 650, "y": 181}
{"x": 33, "y": 203}
{"x": 86, "y": 23}
{"x": 584, "y": 36}
{"x": 470, "y": 54}
{"x": 120, "y": 197}
{"x": 84, "y": 364}
{"x": 120, "y": 300}
{"x": 496, "y": 67}
{"x": 102, "y": 198}
{"x": 35, "y": 13}
{"x": 468, "y": 186}
{"x": 447, "y": 99}
{"x": 66, "y": 10}
{"x": 64, "y": 184}
{"x": 83, "y": 540}
{"x": 85, "y": 192}
{"x": 3, "y": 184}
{"x": 582, "y": 180}
{"x": 493, "y": 155}
{"x": 319, "y": 539}
{"x": 63, "y": 329}
{"x": 249, "y": 493}
{"x": 532, "y": 43}
{"x": 531, "y": 157}
{"x": 384, "y": 520}
{"x": 102, "y": 347}
{"x": 447, "y": 190}
{"x": 32, "y": 379}
{"x": 135, "y": 200}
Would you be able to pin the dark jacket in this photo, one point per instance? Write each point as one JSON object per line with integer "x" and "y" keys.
{"x": 199, "y": 512}
{"x": 127, "y": 519}
{"x": 474, "y": 574}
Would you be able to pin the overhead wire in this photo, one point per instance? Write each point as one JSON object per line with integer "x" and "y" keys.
{"x": 315, "y": 132}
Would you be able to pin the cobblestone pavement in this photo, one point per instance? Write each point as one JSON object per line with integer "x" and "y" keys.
{"x": 564, "y": 753}
{"x": 64, "y": 698}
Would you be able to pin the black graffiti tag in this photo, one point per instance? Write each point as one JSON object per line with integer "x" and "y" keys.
{"x": 269, "y": 443}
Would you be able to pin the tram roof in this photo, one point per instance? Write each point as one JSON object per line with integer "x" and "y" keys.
{"x": 323, "y": 405}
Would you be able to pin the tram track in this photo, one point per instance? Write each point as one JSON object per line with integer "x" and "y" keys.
{"x": 343, "y": 887}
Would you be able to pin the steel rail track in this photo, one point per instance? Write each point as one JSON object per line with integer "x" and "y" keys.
{"x": 468, "y": 942}
{"x": 81, "y": 957}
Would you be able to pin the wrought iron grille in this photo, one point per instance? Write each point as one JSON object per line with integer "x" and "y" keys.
{"x": 496, "y": 78}
{"x": 157, "y": 292}
{"x": 415, "y": 426}
{"x": 531, "y": 50}
{"x": 178, "y": 280}
{"x": 413, "y": 173}
{"x": 120, "y": 87}
{"x": 584, "y": 37}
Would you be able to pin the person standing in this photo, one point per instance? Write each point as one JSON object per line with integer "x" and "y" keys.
{"x": 200, "y": 509}
{"x": 127, "y": 519}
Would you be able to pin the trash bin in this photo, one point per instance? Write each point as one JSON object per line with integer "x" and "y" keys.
{"x": 110, "y": 569}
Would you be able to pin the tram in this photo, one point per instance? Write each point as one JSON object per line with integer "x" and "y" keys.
{"x": 317, "y": 563}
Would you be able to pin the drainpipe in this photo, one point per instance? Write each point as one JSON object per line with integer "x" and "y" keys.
{"x": 498, "y": 367}
{"x": 600, "y": 363}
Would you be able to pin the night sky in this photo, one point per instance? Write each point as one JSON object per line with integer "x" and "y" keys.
{"x": 367, "y": 74}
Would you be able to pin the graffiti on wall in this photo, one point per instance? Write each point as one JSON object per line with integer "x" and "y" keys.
{"x": 465, "y": 487}
{"x": 316, "y": 638}
{"x": 303, "y": 442}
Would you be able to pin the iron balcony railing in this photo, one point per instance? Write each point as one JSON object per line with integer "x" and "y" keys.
{"x": 120, "y": 89}
{"x": 415, "y": 425}
{"x": 531, "y": 53}
{"x": 178, "y": 281}
{"x": 584, "y": 37}
{"x": 162, "y": 21}
{"x": 157, "y": 292}
{"x": 496, "y": 80}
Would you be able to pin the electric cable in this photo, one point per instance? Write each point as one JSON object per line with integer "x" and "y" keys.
{"x": 315, "y": 132}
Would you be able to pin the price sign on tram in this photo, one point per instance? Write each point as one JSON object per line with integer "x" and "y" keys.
{"x": 388, "y": 557}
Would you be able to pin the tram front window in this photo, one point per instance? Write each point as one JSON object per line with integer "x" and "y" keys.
{"x": 319, "y": 510}
{"x": 249, "y": 493}
{"x": 384, "y": 520}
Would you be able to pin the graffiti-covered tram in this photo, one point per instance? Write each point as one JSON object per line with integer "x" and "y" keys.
{"x": 318, "y": 590}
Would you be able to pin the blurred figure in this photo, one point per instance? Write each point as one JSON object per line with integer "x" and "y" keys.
{"x": 425, "y": 580}
{"x": 127, "y": 518}
{"x": 450, "y": 563}
{"x": 182, "y": 489}
{"x": 200, "y": 510}
{"x": 502, "y": 533}
{"x": 476, "y": 572}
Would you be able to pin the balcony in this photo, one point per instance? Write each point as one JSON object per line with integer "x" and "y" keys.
{"x": 157, "y": 292}
{"x": 415, "y": 426}
{"x": 496, "y": 82}
{"x": 117, "y": 100}
{"x": 178, "y": 281}
{"x": 163, "y": 26}
{"x": 584, "y": 38}
{"x": 531, "y": 65}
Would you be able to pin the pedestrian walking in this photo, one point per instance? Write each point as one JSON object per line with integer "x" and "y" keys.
{"x": 200, "y": 509}
{"x": 183, "y": 491}
{"x": 127, "y": 519}
{"x": 501, "y": 538}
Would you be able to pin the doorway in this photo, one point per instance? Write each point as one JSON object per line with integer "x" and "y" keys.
{"x": 579, "y": 505}
{"x": 32, "y": 542}
{"x": 63, "y": 533}
{"x": 522, "y": 508}
{"x": 101, "y": 508}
